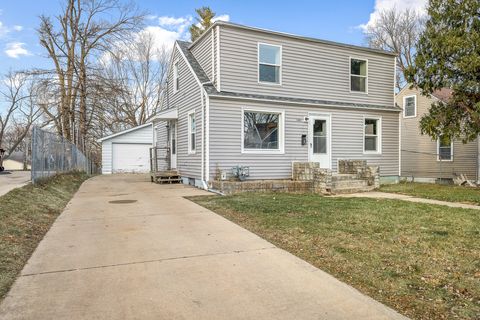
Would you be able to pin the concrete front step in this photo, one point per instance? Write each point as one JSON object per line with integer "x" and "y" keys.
{"x": 352, "y": 190}
{"x": 343, "y": 176}
{"x": 342, "y": 184}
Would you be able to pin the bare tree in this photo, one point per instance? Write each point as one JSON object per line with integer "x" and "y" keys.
{"x": 133, "y": 77}
{"x": 74, "y": 40}
{"x": 397, "y": 31}
{"x": 19, "y": 91}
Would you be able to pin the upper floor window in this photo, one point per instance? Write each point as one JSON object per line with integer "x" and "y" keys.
{"x": 445, "y": 149}
{"x": 176, "y": 83}
{"x": 358, "y": 75}
{"x": 269, "y": 63}
{"x": 410, "y": 107}
{"x": 372, "y": 135}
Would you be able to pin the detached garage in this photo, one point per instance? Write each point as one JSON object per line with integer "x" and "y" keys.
{"x": 127, "y": 151}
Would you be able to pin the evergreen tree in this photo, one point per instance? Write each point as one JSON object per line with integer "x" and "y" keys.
{"x": 448, "y": 56}
{"x": 204, "y": 21}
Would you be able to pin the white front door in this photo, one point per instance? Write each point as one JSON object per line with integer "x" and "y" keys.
{"x": 173, "y": 144}
{"x": 319, "y": 148}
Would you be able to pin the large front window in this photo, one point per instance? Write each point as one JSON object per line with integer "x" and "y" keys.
{"x": 358, "y": 75}
{"x": 262, "y": 130}
{"x": 372, "y": 135}
{"x": 269, "y": 63}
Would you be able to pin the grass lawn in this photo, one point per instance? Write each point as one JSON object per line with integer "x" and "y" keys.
{"x": 422, "y": 260}
{"x": 451, "y": 193}
{"x": 26, "y": 214}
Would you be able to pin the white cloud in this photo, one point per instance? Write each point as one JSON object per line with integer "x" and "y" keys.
{"x": 16, "y": 50}
{"x": 380, "y": 5}
{"x": 172, "y": 21}
{"x": 3, "y": 29}
{"x": 17, "y": 28}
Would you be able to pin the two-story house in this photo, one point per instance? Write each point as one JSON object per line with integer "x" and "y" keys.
{"x": 243, "y": 96}
{"x": 428, "y": 160}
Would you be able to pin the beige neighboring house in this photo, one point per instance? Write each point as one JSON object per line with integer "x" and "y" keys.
{"x": 14, "y": 162}
{"x": 424, "y": 159}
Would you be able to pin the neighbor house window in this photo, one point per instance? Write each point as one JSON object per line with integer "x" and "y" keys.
{"x": 445, "y": 149}
{"x": 410, "y": 107}
{"x": 191, "y": 132}
{"x": 269, "y": 63}
{"x": 372, "y": 135}
{"x": 176, "y": 83}
{"x": 262, "y": 131}
{"x": 358, "y": 75}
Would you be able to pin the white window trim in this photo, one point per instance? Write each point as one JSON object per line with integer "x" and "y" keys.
{"x": 280, "y": 65}
{"x": 438, "y": 152}
{"x": 379, "y": 134}
{"x": 190, "y": 151}
{"x": 175, "y": 76}
{"x": 405, "y": 104}
{"x": 281, "y": 135}
{"x": 356, "y": 75}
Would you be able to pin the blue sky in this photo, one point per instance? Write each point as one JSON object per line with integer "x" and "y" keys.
{"x": 332, "y": 20}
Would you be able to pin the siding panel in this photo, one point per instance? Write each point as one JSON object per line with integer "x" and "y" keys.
{"x": 186, "y": 99}
{"x": 309, "y": 70}
{"x": 347, "y": 139}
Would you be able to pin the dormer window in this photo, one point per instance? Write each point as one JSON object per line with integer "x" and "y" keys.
{"x": 176, "y": 83}
{"x": 269, "y": 63}
{"x": 358, "y": 75}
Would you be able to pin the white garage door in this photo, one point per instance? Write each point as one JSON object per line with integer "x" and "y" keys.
{"x": 131, "y": 157}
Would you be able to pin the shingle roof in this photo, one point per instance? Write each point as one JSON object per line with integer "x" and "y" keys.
{"x": 443, "y": 94}
{"x": 302, "y": 101}
{"x": 212, "y": 91}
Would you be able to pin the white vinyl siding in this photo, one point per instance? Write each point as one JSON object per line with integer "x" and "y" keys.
{"x": 309, "y": 70}
{"x": 347, "y": 126}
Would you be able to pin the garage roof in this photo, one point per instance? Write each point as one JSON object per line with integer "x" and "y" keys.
{"x": 124, "y": 132}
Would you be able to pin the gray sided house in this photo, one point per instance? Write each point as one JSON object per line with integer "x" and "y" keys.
{"x": 424, "y": 159}
{"x": 242, "y": 96}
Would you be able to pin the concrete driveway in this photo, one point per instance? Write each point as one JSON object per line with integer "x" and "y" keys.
{"x": 125, "y": 248}
{"x": 13, "y": 179}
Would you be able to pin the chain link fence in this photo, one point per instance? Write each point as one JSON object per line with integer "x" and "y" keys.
{"x": 53, "y": 154}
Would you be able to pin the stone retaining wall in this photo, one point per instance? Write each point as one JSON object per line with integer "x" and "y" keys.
{"x": 308, "y": 177}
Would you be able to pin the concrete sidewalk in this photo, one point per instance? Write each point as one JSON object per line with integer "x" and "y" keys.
{"x": 13, "y": 179}
{"x": 397, "y": 196}
{"x": 125, "y": 248}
